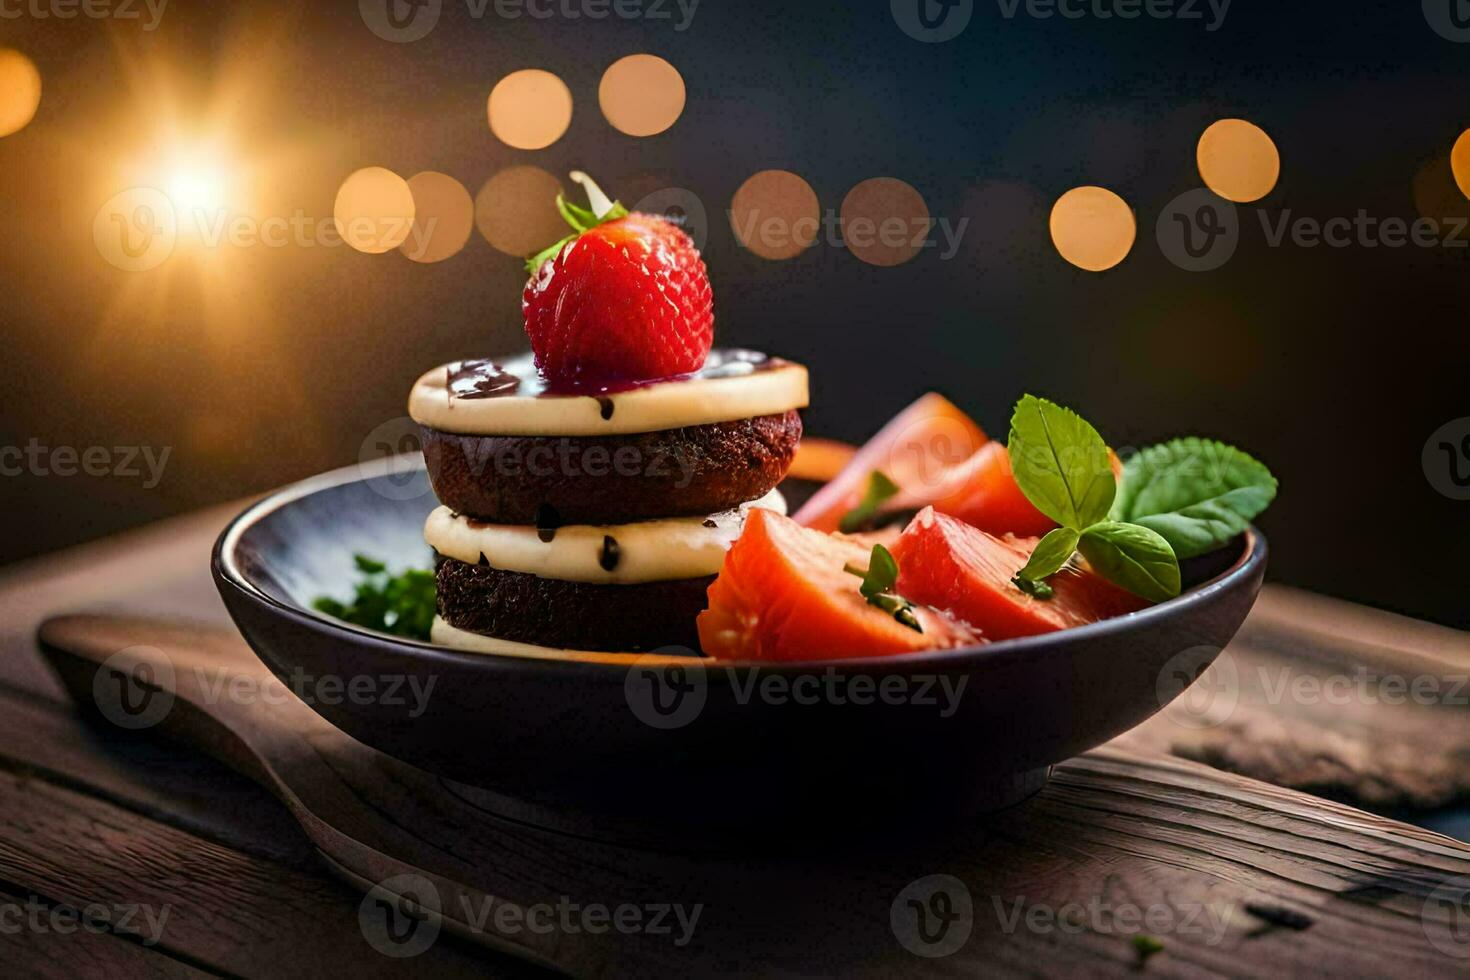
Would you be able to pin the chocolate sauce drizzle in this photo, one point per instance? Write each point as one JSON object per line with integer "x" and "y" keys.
{"x": 612, "y": 553}
{"x": 484, "y": 378}
{"x": 547, "y": 521}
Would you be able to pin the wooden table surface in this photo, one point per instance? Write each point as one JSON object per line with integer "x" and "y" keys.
{"x": 121, "y": 854}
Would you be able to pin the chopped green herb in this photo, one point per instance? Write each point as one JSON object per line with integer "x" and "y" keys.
{"x": 878, "y": 580}
{"x": 401, "y": 604}
{"x": 880, "y": 490}
{"x": 1146, "y": 946}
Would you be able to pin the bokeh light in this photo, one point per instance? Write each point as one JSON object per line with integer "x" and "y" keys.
{"x": 1093, "y": 228}
{"x": 884, "y": 221}
{"x": 1238, "y": 161}
{"x": 374, "y": 210}
{"x": 443, "y": 216}
{"x": 641, "y": 95}
{"x": 1460, "y": 162}
{"x": 530, "y": 109}
{"x": 20, "y": 91}
{"x": 775, "y": 214}
{"x": 516, "y": 211}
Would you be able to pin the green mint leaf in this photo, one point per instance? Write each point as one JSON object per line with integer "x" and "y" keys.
{"x": 402, "y": 604}
{"x": 1146, "y": 946}
{"x": 1035, "y": 588}
{"x": 1133, "y": 557}
{"x": 879, "y": 576}
{"x": 1052, "y": 552}
{"x": 368, "y": 565}
{"x": 1197, "y": 493}
{"x": 1060, "y": 463}
{"x": 878, "y": 580}
{"x": 880, "y": 490}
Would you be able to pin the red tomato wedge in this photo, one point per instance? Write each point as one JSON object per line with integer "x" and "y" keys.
{"x": 918, "y": 449}
{"x": 782, "y": 594}
{"x": 945, "y": 563}
{"x": 988, "y": 497}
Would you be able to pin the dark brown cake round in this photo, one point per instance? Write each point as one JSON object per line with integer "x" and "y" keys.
{"x": 553, "y": 480}
{"x": 570, "y": 615}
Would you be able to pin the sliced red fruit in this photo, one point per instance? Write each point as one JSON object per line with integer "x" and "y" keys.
{"x": 945, "y": 563}
{"x": 985, "y": 494}
{"x": 782, "y": 594}
{"x": 917, "y": 450}
{"x": 988, "y": 497}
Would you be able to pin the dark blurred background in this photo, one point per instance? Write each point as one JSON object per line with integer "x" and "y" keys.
{"x": 257, "y": 366}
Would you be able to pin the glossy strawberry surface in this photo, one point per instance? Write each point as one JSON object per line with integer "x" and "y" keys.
{"x": 623, "y": 302}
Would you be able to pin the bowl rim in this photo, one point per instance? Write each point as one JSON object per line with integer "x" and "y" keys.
{"x": 227, "y": 572}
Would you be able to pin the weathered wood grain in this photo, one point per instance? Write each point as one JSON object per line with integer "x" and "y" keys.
{"x": 1120, "y": 843}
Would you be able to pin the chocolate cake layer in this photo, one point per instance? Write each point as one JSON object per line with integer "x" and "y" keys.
{"x": 570, "y": 615}
{"x": 549, "y": 480}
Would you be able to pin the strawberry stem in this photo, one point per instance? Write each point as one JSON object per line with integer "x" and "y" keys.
{"x": 581, "y": 219}
{"x": 601, "y": 203}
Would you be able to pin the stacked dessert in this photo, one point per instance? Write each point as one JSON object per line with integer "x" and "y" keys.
{"x": 589, "y": 491}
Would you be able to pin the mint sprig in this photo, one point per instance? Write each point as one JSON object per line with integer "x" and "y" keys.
{"x": 581, "y": 219}
{"x": 881, "y": 489}
{"x": 1177, "y": 500}
{"x": 1063, "y": 467}
{"x": 1197, "y": 493}
{"x": 879, "y": 578}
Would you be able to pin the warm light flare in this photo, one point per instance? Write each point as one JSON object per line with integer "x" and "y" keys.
{"x": 1093, "y": 228}
{"x": 1238, "y": 160}
{"x": 20, "y": 91}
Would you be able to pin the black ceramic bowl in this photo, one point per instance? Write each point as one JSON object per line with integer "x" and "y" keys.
{"x": 695, "y": 743}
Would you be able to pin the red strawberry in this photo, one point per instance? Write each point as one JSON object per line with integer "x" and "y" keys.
{"x": 625, "y": 299}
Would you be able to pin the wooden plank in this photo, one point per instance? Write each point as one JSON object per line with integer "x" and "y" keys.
{"x": 1123, "y": 842}
{"x": 224, "y": 910}
{"x": 1333, "y": 699}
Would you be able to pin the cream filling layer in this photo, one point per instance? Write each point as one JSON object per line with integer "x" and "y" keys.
{"x": 443, "y": 634}
{"x": 651, "y": 408}
{"x": 620, "y": 554}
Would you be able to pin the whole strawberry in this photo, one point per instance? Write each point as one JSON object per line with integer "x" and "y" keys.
{"x": 625, "y": 298}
